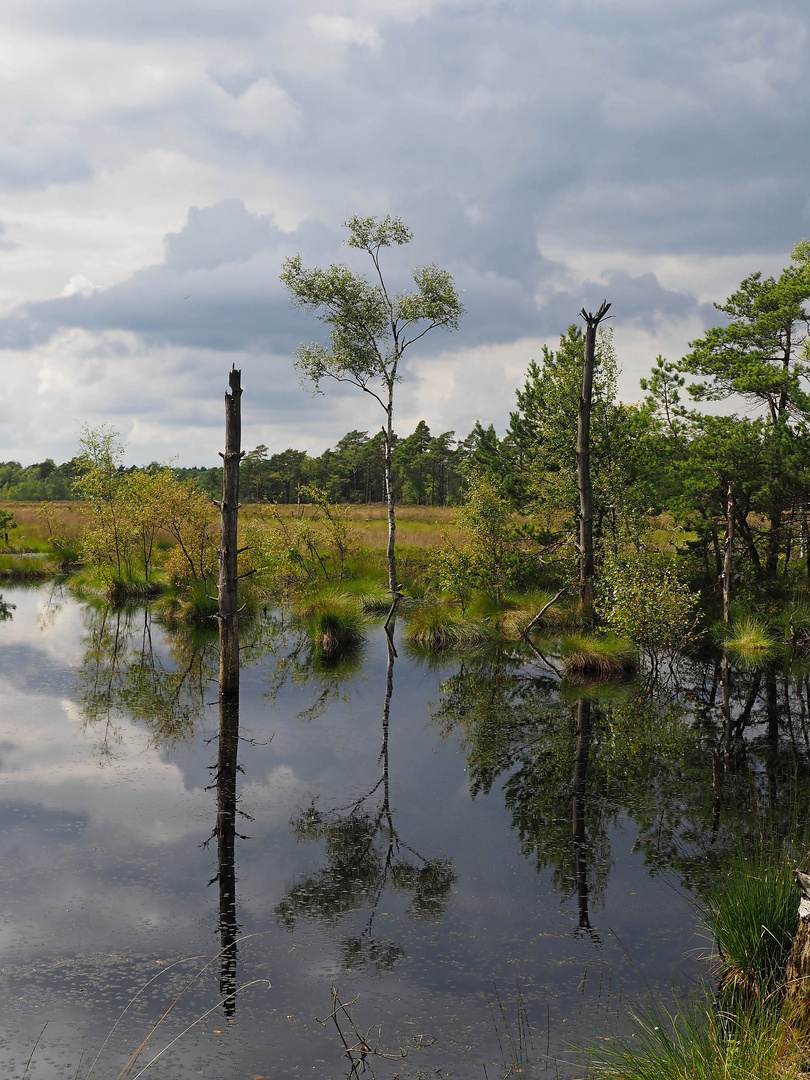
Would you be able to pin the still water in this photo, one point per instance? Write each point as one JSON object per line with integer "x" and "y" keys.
{"x": 447, "y": 844}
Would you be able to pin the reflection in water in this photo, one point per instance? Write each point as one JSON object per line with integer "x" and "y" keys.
{"x": 225, "y": 831}
{"x": 579, "y": 800}
{"x": 699, "y": 763}
{"x": 693, "y": 764}
{"x": 123, "y": 674}
{"x": 364, "y": 855}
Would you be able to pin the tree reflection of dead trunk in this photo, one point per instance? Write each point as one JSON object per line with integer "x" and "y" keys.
{"x": 227, "y": 765}
{"x": 579, "y": 797}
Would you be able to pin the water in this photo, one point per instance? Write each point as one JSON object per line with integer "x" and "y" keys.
{"x": 498, "y": 840}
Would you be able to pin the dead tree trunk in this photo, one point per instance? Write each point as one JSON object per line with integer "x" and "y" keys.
{"x": 228, "y": 572}
{"x": 586, "y": 562}
{"x": 797, "y": 993}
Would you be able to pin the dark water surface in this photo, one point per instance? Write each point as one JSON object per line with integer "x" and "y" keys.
{"x": 499, "y": 833}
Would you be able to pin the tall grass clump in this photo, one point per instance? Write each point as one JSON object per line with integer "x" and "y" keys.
{"x": 591, "y": 656}
{"x": 702, "y": 1042}
{"x": 195, "y": 605}
{"x": 439, "y": 628}
{"x": 750, "y": 639}
{"x": 751, "y": 913}
{"x": 335, "y": 625}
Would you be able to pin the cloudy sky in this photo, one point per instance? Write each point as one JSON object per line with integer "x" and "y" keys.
{"x": 159, "y": 160}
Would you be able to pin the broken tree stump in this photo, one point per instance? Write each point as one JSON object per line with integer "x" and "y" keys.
{"x": 797, "y": 993}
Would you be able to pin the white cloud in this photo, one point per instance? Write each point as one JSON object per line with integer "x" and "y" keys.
{"x": 542, "y": 151}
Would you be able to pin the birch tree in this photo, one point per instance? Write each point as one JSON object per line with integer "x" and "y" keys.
{"x": 370, "y": 327}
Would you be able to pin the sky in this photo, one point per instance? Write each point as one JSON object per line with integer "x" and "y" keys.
{"x": 160, "y": 160}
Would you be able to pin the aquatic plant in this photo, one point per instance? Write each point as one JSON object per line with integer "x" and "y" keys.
{"x": 438, "y": 627}
{"x": 592, "y": 656}
{"x": 750, "y": 638}
{"x": 196, "y": 604}
{"x": 334, "y": 624}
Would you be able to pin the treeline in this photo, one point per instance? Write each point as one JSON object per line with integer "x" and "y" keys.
{"x": 428, "y": 470}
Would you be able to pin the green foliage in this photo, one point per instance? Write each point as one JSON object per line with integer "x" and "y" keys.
{"x": 434, "y": 626}
{"x": 543, "y": 435}
{"x": 7, "y": 523}
{"x": 489, "y": 557}
{"x": 369, "y": 327}
{"x": 335, "y": 625}
{"x": 749, "y": 639}
{"x": 303, "y": 550}
{"x": 128, "y": 509}
{"x": 644, "y": 600}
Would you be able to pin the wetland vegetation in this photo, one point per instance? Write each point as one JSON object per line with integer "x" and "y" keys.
{"x": 481, "y": 743}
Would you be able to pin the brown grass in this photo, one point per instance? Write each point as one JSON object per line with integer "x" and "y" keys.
{"x": 69, "y": 517}
{"x": 417, "y": 526}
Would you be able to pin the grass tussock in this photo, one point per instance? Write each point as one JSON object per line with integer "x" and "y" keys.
{"x": 702, "y": 1042}
{"x": 194, "y": 606}
{"x": 335, "y": 625}
{"x": 27, "y": 567}
{"x": 592, "y": 657}
{"x": 751, "y": 913}
{"x": 440, "y": 628}
{"x": 750, "y": 639}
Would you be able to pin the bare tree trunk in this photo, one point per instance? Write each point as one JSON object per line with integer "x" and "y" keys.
{"x": 228, "y": 573}
{"x": 389, "y": 495}
{"x": 586, "y": 563}
{"x": 797, "y": 994}
{"x": 727, "y": 554}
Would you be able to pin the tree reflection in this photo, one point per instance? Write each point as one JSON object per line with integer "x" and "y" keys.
{"x": 365, "y": 855}
{"x": 123, "y": 673}
{"x": 225, "y": 832}
{"x": 699, "y": 763}
{"x": 299, "y": 662}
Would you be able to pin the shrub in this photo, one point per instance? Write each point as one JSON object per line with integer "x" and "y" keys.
{"x": 647, "y": 603}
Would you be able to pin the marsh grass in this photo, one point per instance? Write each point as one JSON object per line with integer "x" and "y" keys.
{"x": 750, "y": 639}
{"x": 196, "y": 605}
{"x": 592, "y": 657}
{"x": 335, "y": 624}
{"x": 28, "y": 566}
{"x": 700, "y": 1041}
{"x": 439, "y": 627}
{"x": 751, "y": 913}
